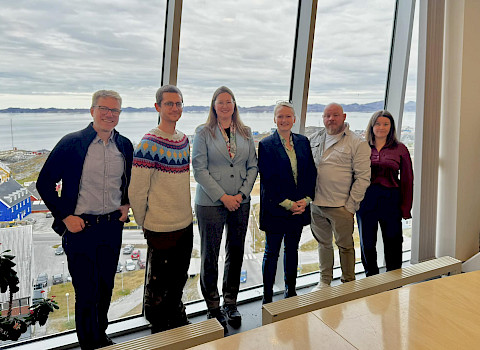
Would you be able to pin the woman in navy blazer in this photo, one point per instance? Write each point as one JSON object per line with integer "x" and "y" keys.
{"x": 287, "y": 186}
{"x": 225, "y": 167}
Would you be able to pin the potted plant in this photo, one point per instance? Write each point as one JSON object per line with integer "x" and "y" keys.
{"x": 12, "y": 327}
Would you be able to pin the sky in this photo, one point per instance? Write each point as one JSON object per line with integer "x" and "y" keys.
{"x": 57, "y": 53}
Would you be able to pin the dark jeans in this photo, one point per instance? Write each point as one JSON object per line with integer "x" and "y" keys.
{"x": 211, "y": 221}
{"x": 290, "y": 262}
{"x": 381, "y": 205}
{"x": 92, "y": 256}
{"x": 168, "y": 261}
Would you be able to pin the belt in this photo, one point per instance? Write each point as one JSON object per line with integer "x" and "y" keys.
{"x": 91, "y": 220}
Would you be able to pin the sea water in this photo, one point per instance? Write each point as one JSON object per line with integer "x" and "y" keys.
{"x": 36, "y": 131}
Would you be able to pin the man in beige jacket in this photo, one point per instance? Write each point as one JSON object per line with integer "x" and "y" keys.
{"x": 343, "y": 175}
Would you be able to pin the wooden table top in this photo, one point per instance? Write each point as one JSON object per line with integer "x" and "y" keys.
{"x": 303, "y": 332}
{"x": 440, "y": 314}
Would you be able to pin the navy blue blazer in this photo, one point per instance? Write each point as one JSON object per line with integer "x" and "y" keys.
{"x": 65, "y": 163}
{"x": 277, "y": 182}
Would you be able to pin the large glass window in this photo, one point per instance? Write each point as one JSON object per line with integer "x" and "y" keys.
{"x": 349, "y": 66}
{"x": 407, "y": 135}
{"x": 54, "y": 56}
{"x": 247, "y": 46}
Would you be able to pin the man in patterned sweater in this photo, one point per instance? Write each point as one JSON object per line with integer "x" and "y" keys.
{"x": 160, "y": 198}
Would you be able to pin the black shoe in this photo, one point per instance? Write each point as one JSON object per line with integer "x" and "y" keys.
{"x": 219, "y": 315}
{"x": 158, "y": 328}
{"x": 107, "y": 341}
{"x": 178, "y": 323}
{"x": 233, "y": 315}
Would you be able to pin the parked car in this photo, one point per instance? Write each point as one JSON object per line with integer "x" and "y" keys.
{"x": 38, "y": 296}
{"x": 59, "y": 250}
{"x": 128, "y": 249}
{"x": 42, "y": 281}
{"x": 243, "y": 276}
{"x": 135, "y": 254}
{"x": 119, "y": 267}
{"x": 129, "y": 265}
{"x": 48, "y": 214}
{"x": 57, "y": 279}
{"x": 141, "y": 263}
{"x": 30, "y": 220}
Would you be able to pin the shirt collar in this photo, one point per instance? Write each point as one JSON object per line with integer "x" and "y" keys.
{"x": 285, "y": 141}
{"x": 97, "y": 139}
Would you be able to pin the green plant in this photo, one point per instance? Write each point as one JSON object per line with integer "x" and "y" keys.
{"x": 12, "y": 327}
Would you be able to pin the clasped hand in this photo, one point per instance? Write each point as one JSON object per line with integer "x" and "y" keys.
{"x": 232, "y": 203}
{"x": 298, "y": 207}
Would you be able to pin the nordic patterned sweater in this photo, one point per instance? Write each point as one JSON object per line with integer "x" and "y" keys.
{"x": 159, "y": 190}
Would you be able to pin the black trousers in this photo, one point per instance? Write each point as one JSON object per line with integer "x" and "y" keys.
{"x": 381, "y": 205}
{"x": 290, "y": 262}
{"x": 211, "y": 222}
{"x": 92, "y": 256}
{"x": 168, "y": 261}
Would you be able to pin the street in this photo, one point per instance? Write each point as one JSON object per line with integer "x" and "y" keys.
{"x": 45, "y": 261}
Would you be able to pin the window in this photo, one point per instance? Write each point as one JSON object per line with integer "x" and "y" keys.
{"x": 82, "y": 46}
{"x": 247, "y": 46}
{"x": 407, "y": 135}
{"x": 349, "y": 66}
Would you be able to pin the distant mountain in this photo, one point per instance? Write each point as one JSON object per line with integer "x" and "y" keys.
{"x": 353, "y": 107}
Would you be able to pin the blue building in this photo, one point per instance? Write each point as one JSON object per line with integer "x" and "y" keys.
{"x": 14, "y": 201}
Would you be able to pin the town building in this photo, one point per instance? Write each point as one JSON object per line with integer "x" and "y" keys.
{"x": 15, "y": 201}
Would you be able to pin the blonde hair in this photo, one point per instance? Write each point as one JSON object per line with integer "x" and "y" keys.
{"x": 212, "y": 120}
{"x": 280, "y": 104}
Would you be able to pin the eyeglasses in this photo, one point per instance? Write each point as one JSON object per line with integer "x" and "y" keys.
{"x": 170, "y": 104}
{"x": 105, "y": 110}
{"x": 224, "y": 103}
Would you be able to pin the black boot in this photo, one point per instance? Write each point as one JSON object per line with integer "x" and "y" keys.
{"x": 219, "y": 315}
{"x": 179, "y": 317}
{"x": 233, "y": 315}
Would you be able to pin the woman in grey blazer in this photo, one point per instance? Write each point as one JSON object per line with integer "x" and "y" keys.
{"x": 225, "y": 167}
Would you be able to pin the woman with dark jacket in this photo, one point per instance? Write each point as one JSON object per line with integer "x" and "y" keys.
{"x": 287, "y": 186}
{"x": 389, "y": 197}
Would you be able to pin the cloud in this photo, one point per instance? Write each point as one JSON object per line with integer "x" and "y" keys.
{"x": 57, "y": 53}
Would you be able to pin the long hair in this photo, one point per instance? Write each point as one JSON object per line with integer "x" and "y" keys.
{"x": 392, "y": 135}
{"x": 212, "y": 121}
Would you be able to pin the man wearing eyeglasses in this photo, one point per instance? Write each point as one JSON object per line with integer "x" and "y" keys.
{"x": 343, "y": 175}
{"x": 94, "y": 167}
{"x": 160, "y": 198}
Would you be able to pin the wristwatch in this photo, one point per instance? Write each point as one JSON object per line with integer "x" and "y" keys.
{"x": 243, "y": 195}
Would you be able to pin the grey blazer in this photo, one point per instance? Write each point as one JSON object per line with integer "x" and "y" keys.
{"x": 217, "y": 174}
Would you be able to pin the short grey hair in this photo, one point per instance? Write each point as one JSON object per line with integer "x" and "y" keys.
{"x": 106, "y": 93}
{"x": 167, "y": 88}
{"x": 281, "y": 104}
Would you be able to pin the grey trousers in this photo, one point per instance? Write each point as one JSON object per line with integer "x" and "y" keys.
{"x": 211, "y": 221}
{"x": 339, "y": 222}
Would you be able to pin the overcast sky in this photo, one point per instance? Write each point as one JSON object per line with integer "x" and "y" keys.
{"x": 57, "y": 53}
